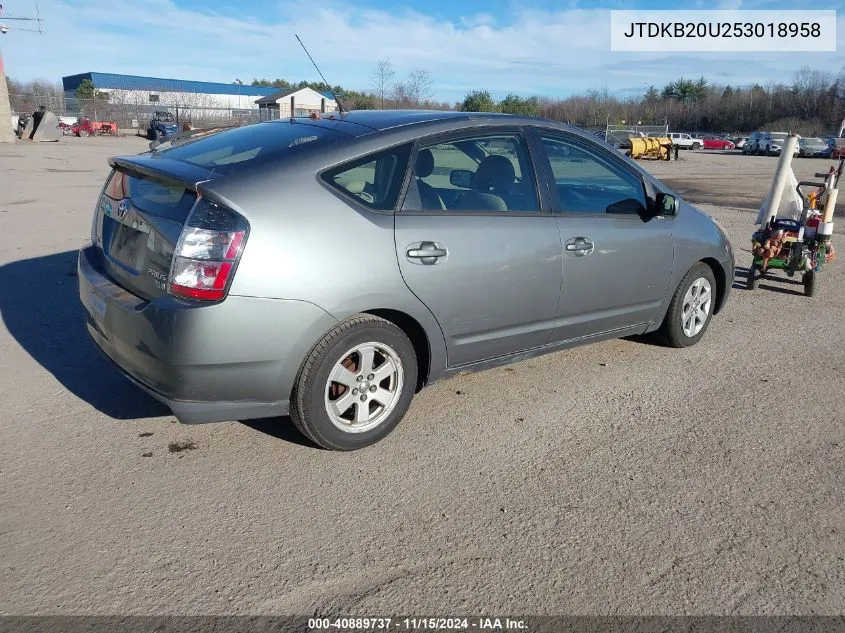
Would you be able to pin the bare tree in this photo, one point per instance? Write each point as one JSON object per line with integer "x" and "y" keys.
{"x": 400, "y": 95}
{"x": 27, "y": 96}
{"x": 419, "y": 86}
{"x": 382, "y": 78}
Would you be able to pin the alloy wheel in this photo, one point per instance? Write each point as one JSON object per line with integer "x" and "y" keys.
{"x": 697, "y": 303}
{"x": 364, "y": 387}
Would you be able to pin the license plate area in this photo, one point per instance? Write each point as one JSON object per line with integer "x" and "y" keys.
{"x": 125, "y": 245}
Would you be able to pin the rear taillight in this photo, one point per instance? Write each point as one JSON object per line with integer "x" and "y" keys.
{"x": 117, "y": 188}
{"x": 207, "y": 252}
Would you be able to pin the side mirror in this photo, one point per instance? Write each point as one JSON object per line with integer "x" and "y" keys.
{"x": 665, "y": 204}
{"x": 461, "y": 178}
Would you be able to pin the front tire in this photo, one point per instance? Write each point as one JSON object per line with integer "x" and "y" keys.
{"x": 696, "y": 145}
{"x": 810, "y": 283}
{"x": 691, "y": 308}
{"x": 355, "y": 385}
{"x": 751, "y": 280}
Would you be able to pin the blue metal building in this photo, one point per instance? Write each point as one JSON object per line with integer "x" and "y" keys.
{"x": 154, "y": 85}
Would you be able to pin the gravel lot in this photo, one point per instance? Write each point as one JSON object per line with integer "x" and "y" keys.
{"x": 621, "y": 478}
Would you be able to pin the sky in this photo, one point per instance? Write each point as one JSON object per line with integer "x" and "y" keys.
{"x": 528, "y": 47}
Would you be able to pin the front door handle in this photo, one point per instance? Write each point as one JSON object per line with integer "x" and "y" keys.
{"x": 580, "y": 246}
{"x": 426, "y": 252}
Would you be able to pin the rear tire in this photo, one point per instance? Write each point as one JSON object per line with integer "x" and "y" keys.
{"x": 691, "y": 308}
{"x": 328, "y": 404}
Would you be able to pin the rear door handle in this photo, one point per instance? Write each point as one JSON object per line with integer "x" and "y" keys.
{"x": 580, "y": 246}
{"x": 426, "y": 252}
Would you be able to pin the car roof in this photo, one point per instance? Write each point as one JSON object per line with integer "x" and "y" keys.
{"x": 361, "y": 122}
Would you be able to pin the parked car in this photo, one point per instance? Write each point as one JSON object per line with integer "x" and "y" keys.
{"x": 162, "y": 125}
{"x": 685, "y": 141}
{"x": 752, "y": 143}
{"x": 711, "y": 141}
{"x": 329, "y": 268}
{"x": 739, "y": 142}
{"x": 771, "y": 144}
{"x": 813, "y": 148}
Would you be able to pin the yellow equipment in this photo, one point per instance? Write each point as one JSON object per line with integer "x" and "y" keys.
{"x": 657, "y": 148}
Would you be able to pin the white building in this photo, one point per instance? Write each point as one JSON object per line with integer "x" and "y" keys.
{"x": 145, "y": 95}
{"x": 287, "y": 103}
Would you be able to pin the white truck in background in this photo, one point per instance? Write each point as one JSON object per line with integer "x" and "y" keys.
{"x": 685, "y": 141}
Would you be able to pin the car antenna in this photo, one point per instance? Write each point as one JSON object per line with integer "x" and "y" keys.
{"x": 336, "y": 100}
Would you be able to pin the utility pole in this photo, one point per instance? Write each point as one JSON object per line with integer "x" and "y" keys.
{"x": 6, "y": 133}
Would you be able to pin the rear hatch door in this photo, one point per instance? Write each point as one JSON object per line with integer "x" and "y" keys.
{"x": 139, "y": 219}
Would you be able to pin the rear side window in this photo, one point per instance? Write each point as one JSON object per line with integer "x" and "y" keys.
{"x": 374, "y": 180}
{"x": 239, "y": 148}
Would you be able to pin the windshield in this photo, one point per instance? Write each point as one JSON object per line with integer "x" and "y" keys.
{"x": 812, "y": 141}
{"x": 779, "y": 138}
{"x": 237, "y": 148}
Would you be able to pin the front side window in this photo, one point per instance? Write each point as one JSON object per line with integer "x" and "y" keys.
{"x": 484, "y": 173}
{"x": 375, "y": 180}
{"x": 587, "y": 182}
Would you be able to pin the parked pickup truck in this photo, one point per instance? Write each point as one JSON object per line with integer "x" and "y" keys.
{"x": 685, "y": 141}
{"x": 682, "y": 140}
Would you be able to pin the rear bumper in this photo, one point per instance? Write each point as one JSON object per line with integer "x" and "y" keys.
{"x": 208, "y": 363}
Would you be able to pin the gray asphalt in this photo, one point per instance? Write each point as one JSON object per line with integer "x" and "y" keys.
{"x": 621, "y": 478}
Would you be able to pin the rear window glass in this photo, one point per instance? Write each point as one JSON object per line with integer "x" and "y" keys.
{"x": 240, "y": 147}
{"x": 164, "y": 199}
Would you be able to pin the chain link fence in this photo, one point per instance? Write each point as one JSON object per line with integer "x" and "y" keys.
{"x": 190, "y": 112}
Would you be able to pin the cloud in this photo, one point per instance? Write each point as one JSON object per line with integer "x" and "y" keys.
{"x": 532, "y": 52}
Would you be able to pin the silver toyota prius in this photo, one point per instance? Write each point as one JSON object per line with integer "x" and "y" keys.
{"x": 329, "y": 268}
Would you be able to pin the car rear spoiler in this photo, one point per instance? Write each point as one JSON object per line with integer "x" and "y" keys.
{"x": 162, "y": 169}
